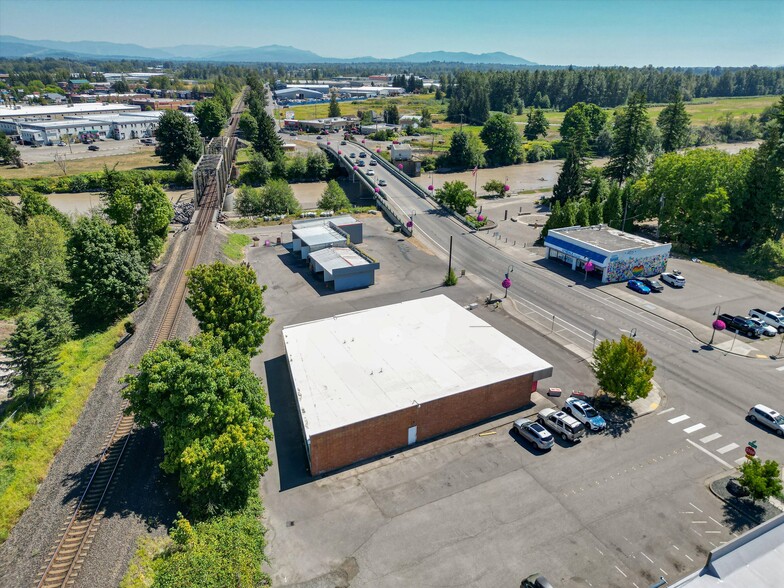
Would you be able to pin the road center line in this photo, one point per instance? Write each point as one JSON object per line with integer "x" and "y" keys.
{"x": 706, "y": 452}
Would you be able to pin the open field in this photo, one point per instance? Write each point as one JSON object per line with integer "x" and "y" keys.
{"x": 30, "y": 439}
{"x": 408, "y": 104}
{"x": 145, "y": 159}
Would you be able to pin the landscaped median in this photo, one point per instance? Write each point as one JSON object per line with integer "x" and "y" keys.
{"x": 31, "y": 438}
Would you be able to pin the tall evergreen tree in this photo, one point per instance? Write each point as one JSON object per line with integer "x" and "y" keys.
{"x": 268, "y": 143}
{"x": 334, "y": 107}
{"x": 32, "y": 356}
{"x": 673, "y": 122}
{"x": 631, "y": 129}
{"x": 570, "y": 180}
{"x": 537, "y": 124}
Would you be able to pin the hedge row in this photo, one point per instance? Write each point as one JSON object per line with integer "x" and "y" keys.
{"x": 86, "y": 182}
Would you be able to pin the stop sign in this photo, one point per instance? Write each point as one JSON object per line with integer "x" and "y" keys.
{"x": 750, "y": 451}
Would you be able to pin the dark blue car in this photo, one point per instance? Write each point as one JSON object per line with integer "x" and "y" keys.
{"x": 638, "y": 286}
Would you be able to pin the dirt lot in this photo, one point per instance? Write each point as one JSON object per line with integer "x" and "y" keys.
{"x": 125, "y": 154}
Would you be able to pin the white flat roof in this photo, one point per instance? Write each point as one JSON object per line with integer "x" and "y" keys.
{"x": 343, "y": 219}
{"x": 357, "y": 366}
{"x": 318, "y": 235}
{"x": 333, "y": 258}
{"x": 58, "y": 109}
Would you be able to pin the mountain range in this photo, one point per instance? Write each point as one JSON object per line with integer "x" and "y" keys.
{"x": 15, "y": 47}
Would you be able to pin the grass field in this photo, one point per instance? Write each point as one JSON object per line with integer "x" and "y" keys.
{"x": 138, "y": 160}
{"x": 234, "y": 245}
{"x": 30, "y": 439}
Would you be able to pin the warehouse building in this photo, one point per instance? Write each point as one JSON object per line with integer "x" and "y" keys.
{"x": 377, "y": 380}
{"x": 343, "y": 268}
{"x": 614, "y": 255}
{"x": 60, "y": 111}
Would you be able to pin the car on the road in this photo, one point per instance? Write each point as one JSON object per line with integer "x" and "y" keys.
{"x": 760, "y": 413}
{"x": 563, "y": 424}
{"x": 373, "y": 162}
{"x": 765, "y": 328}
{"x": 292, "y": 134}
{"x": 585, "y": 413}
{"x": 774, "y": 319}
{"x": 342, "y": 142}
{"x": 382, "y": 182}
{"x": 370, "y": 172}
{"x": 536, "y": 581}
{"x": 673, "y": 279}
{"x": 352, "y": 155}
{"x": 653, "y": 284}
{"x": 534, "y": 433}
{"x": 363, "y": 155}
{"x": 93, "y": 148}
{"x": 638, "y": 286}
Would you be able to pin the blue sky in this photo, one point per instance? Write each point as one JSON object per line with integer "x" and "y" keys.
{"x": 580, "y": 32}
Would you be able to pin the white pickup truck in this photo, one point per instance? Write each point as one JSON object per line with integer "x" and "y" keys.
{"x": 774, "y": 319}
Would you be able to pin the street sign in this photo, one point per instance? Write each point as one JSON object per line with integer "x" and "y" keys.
{"x": 753, "y": 444}
{"x": 750, "y": 452}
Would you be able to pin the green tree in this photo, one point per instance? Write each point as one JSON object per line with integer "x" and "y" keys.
{"x": 391, "y": 115}
{"x": 455, "y": 195}
{"x": 297, "y": 167}
{"x": 258, "y": 170}
{"x": 613, "y": 208}
{"x": 767, "y": 257}
{"x": 427, "y": 118}
{"x": 673, "y": 121}
{"x": 465, "y": 151}
{"x": 185, "y": 172}
{"x": 249, "y": 201}
{"x": 9, "y": 154}
{"x": 583, "y": 217}
{"x": 248, "y": 127}
{"x": 623, "y": 369}
{"x": 277, "y": 197}
{"x": 210, "y": 117}
{"x": 212, "y": 412}
{"x": 228, "y": 303}
{"x": 334, "y": 107}
{"x": 151, "y": 221}
{"x": 33, "y": 357}
{"x": 571, "y": 180}
{"x": 268, "y": 143}
{"x": 54, "y": 312}
{"x": 503, "y": 140}
{"x": 762, "y": 480}
{"x": 177, "y": 137}
{"x": 121, "y": 86}
{"x": 537, "y": 124}
{"x": 9, "y": 234}
{"x": 631, "y": 129}
{"x": 107, "y": 278}
{"x": 318, "y": 165}
{"x": 37, "y": 261}
{"x": 35, "y": 204}
{"x": 495, "y": 187}
{"x": 334, "y": 198}
{"x": 582, "y": 114}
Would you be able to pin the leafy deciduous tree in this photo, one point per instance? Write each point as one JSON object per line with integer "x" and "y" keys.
{"x": 503, "y": 140}
{"x": 623, "y": 369}
{"x": 248, "y": 127}
{"x": 334, "y": 198}
{"x": 456, "y": 195}
{"x": 177, "y": 137}
{"x": 465, "y": 151}
{"x": 210, "y": 117}
{"x": 537, "y": 124}
{"x": 762, "y": 480}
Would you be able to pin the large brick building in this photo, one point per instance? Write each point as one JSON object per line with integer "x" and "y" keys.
{"x": 377, "y": 380}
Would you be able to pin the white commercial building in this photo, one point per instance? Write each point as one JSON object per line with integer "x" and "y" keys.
{"x": 343, "y": 268}
{"x": 59, "y": 111}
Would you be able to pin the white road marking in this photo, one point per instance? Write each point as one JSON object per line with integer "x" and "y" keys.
{"x": 690, "y": 559}
{"x": 598, "y": 318}
{"x": 727, "y": 448}
{"x": 666, "y": 410}
{"x": 714, "y": 532}
{"x": 678, "y": 419}
{"x": 710, "y": 438}
{"x": 695, "y": 507}
{"x": 685, "y": 512}
{"x": 599, "y": 550}
{"x": 693, "y": 428}
{"x": 740, "y": 460}
{"x": 780, "y": 369}
{"x": 646, "y": 557}
{"x": 699, "y": 522}
{"x": 635, "y": 585}
{"x": 706, "y": 452}
{"x": 621, "y": 571}
{"x": 715, "y": 521}
{"x": 663, "y": 572}
{"x": 695, "y": 532}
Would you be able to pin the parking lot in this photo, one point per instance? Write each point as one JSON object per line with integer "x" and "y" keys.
{"x": 480, "y": 507}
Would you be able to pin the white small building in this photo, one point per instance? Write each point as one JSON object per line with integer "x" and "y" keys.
{"x": 616, "y": 255}
{"x": 401, "y": 152}
{"x": 343, "y": 268}
{"x": 410, "y": 120}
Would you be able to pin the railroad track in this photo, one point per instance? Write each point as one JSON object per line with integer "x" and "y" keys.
{"x": 65, "y": 559}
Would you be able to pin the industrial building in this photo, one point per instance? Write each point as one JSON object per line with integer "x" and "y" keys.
{"x": 320, "y": 124}
{"x": 371, "y": 91}
{"x": 314, "y": 234}
{"x": 343, "y": 268}
{"x": 614, "y": 255}
{"x": 377, "y": 380}
{"x": 60, "y": 111}
{"x": 299, "y": 93}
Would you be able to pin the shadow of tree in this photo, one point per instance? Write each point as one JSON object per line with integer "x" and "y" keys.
{"x": 619, "y": 415}
{"x": 742, "y": 514}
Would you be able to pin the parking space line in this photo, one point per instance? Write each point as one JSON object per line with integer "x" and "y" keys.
{"x": 715, "y": 521}
{"x": 621, "y": 571}
{"x": 693, "y": 428}
{"x": 663, "y": 572}
{"x": 678, "y": 419}
{"x": 694, "y": 506}
{"x": 710, "y": 438}
{"x": 706, "y": 452}
{"x": 690, "y": 559}
{"x": 727, "y": 448}
{"x": 646, "y": 557}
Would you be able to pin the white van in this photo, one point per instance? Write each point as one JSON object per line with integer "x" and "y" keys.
{"x": 563, "y": 424}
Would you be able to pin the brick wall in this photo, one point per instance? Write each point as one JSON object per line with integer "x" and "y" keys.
{"x": 341, "y": 447}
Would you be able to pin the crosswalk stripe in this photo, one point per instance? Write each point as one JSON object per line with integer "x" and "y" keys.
{"x": 693, "y": 428}
{"x": 780, "y": 369}
{"x": 740, "y": 460}
{"x": 727, "y": 448}
{"x": 678, "y": 419}
{"x": 710, "y": 438}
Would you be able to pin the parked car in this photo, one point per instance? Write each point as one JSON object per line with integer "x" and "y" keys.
{"x": 536, "y": 581}
{"x": 563, "y": 424}
{"x": 370, "y": 172}
{"x": 760, "y": 413}
{"x": 638, "y": 286}
{"x": 585, "y": 413}
{"x": 93, "y": 148}
{"x": 382, "y": 182}
{"x": 534, "y": 433}
{"x": 61, "y": 144}
{"x": 673, "y": 279}
{"x": 765, "y": 328}
{"x": 292, "y": 134}
{"x": 774, "y": 319}
{"x": 740, "y": 325}
{"x": 653, "y": 284}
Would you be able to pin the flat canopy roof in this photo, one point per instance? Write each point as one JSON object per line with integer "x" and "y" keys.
{"x": 333, "y": 258}
{"x": 343, "y": 219}
{"x": 603, "y": 237}
{"x": 318, "y": 235}
{"x": 357, "y": 366}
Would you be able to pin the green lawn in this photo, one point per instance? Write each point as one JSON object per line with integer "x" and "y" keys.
{"x": 409, "y": 104}
{"x": 30, "y": 440}
{"x": 234, "y": 246}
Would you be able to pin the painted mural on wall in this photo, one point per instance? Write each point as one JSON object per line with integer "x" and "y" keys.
{"x": 619, "y": 270}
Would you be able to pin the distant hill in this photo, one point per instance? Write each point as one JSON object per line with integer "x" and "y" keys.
{"x": 462, "y": 57}
{"x": 11, "y": 46}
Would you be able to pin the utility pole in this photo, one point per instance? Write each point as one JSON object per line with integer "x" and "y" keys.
{"x": 449, "y": 272}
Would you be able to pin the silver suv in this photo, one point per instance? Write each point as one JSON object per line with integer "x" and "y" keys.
{"x": 560, "y": 422}
{"x": 767, "y": 416}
